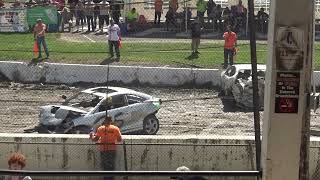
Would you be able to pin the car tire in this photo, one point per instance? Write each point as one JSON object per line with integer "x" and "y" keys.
{"x": 150, "y": 125}
{"x": 80, "y": 130}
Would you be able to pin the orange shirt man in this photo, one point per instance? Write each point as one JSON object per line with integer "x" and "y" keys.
{"x": 107, "y": 136}
{"x": 230, "y": 43}
{"x": 39, "y": 36}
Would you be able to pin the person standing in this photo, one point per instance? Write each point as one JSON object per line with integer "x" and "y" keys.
{"x": 113, "y": 39}
{"x": 107, "y": 136}
{"x": 16, "y": 161}
{"x": 174, "y": 5}
{"x": 201, "y": 9}
{"x": 39, "y": 37}
{"x": 89, "y": 14}
{"x": 157, "y": 11}
{"x": 195, "y": 35}
{"x": 104, "y": 14}
{"x": 230, "y": 44}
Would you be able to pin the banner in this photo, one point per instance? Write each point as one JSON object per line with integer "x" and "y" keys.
{"x": 49, "y": 15}
{"x": 13, "y": 20}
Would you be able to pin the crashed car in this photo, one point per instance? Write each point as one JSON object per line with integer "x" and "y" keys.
{"x": 130, "y": 110}
{"x": 236, "y": 81}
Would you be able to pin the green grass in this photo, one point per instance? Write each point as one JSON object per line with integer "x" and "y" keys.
{"x": 19, "y": 47}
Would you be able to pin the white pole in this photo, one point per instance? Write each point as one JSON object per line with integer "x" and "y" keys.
{"x": 286, "y": 120}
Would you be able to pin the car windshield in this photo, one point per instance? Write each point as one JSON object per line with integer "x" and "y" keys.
{"x": 83, "y": 101}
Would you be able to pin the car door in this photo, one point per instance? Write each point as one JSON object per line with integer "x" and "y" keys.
{"x": 139, "y": 110}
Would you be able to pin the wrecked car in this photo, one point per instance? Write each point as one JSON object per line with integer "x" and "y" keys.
{"x": 236, "y": 81}
{"x": 131, "y": 111}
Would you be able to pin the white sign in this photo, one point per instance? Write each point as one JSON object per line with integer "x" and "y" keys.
{"x": 289, "y": 52}
{"x": 13, "y": 20}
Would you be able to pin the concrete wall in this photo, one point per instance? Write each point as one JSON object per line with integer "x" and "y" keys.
{"x": 76, "y": 73}
{"x": 77, "y": 152}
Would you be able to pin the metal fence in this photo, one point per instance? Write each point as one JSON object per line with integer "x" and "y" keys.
{"x": 156, "y": 59}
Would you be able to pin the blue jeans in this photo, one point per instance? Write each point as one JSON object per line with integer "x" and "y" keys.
{"x": 228, "y": 57}
{"x": 41, "y": 40}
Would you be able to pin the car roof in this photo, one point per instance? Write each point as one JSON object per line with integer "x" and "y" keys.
{"x": 248, "y": 66}
{"x": 102, "y": 91}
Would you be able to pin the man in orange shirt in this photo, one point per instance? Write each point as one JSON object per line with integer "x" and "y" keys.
{"x": 39, "y": 36}
{"x": 107, "y": 136}
{"x": 157, "y": 10}
{"x": 230, "y": 44}
{"x": 174, "y": 5}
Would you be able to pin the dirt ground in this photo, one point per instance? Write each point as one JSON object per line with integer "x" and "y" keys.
{"x": 20, "y": 108}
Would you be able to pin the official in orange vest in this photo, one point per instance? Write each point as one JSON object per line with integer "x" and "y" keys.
{"x": 107, "y": 136}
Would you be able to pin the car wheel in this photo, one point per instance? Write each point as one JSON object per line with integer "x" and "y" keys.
{"x": 150, "y": 125}
{"x": 80, "y": 130}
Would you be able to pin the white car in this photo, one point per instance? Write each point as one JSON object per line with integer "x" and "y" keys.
{"x": 236, "y": 81}
{"x": 130, "y": 110}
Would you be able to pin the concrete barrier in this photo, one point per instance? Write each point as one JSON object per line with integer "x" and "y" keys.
{"x": 76, "y": 73}
{"x": 149, "y": 153}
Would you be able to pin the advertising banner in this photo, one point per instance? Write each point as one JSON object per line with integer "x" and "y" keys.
{"x": 47, "y": 14}
{"x": 13, "y": 20}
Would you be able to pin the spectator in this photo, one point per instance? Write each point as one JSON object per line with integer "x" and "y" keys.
{"x": 79, "y": 12}
{"x": 262, "y": 18}
{"x": 195, "y": 35}
{"x": 30, "y": 3}
{"x": 115, "y": 7}
{"x": 226, "y": 17}
{"x": 183, "y": 15}
{"x": 240, "y": 8}
{"x": 132, "y": 16}
{"x": 104, "y": 14}
{"x": 201, "y": 9}
{"x": 17, "y": 4}
{"x": 173, "y": 5}
{"x": 218, "y": 18}
{"x": 16, "y": 161}
{"x": 211, "y": 7}
{"x": 157, "y": 11}
{"x": 96, "y": 15}
{"x": 230, "y": 43}
{"x": 171, "y": 18}
{"x": 39, "y": 36}
{"x": 107, "y": 135}
{"x": 1, "y": 4}
{"x": 113, "y": 39}
{"x": 66, "y": 18}
{"x": 89, "y": 14}
{"x": 131, "y": 19}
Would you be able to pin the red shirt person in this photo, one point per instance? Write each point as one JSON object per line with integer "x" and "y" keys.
{"x": 157, "y": 11}
{"x": 107, "y": 136}
{"x": 230, "y": 43}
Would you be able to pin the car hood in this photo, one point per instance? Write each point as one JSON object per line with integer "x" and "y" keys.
{"x": 64, "y": 108}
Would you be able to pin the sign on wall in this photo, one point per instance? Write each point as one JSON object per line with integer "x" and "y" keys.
{"x": 13, "y": 20}
{"x": 287, "y": 92}
{"x": 49, "y": 15}
{"x": 289, "y": 52}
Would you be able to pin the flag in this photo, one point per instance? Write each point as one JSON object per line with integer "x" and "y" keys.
{"x": 120, "y": 43}
{"x": 35, "y": 49}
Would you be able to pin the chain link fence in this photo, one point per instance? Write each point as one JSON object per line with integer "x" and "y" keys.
{"x": 76, "y": 34}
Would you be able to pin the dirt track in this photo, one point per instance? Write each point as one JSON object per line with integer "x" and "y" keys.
{"x": 20, "y": 105}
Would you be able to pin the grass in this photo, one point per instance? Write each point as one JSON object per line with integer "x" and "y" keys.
{"x": 18, "y": 47}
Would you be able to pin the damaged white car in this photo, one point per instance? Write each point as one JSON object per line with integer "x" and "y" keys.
{"x": 131, "y": 111}
{"x": 236, "y": 81}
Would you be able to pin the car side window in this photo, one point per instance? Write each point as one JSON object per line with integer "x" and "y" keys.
{"x": 133, "y": 99}
{"x": 117, "y": 102}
